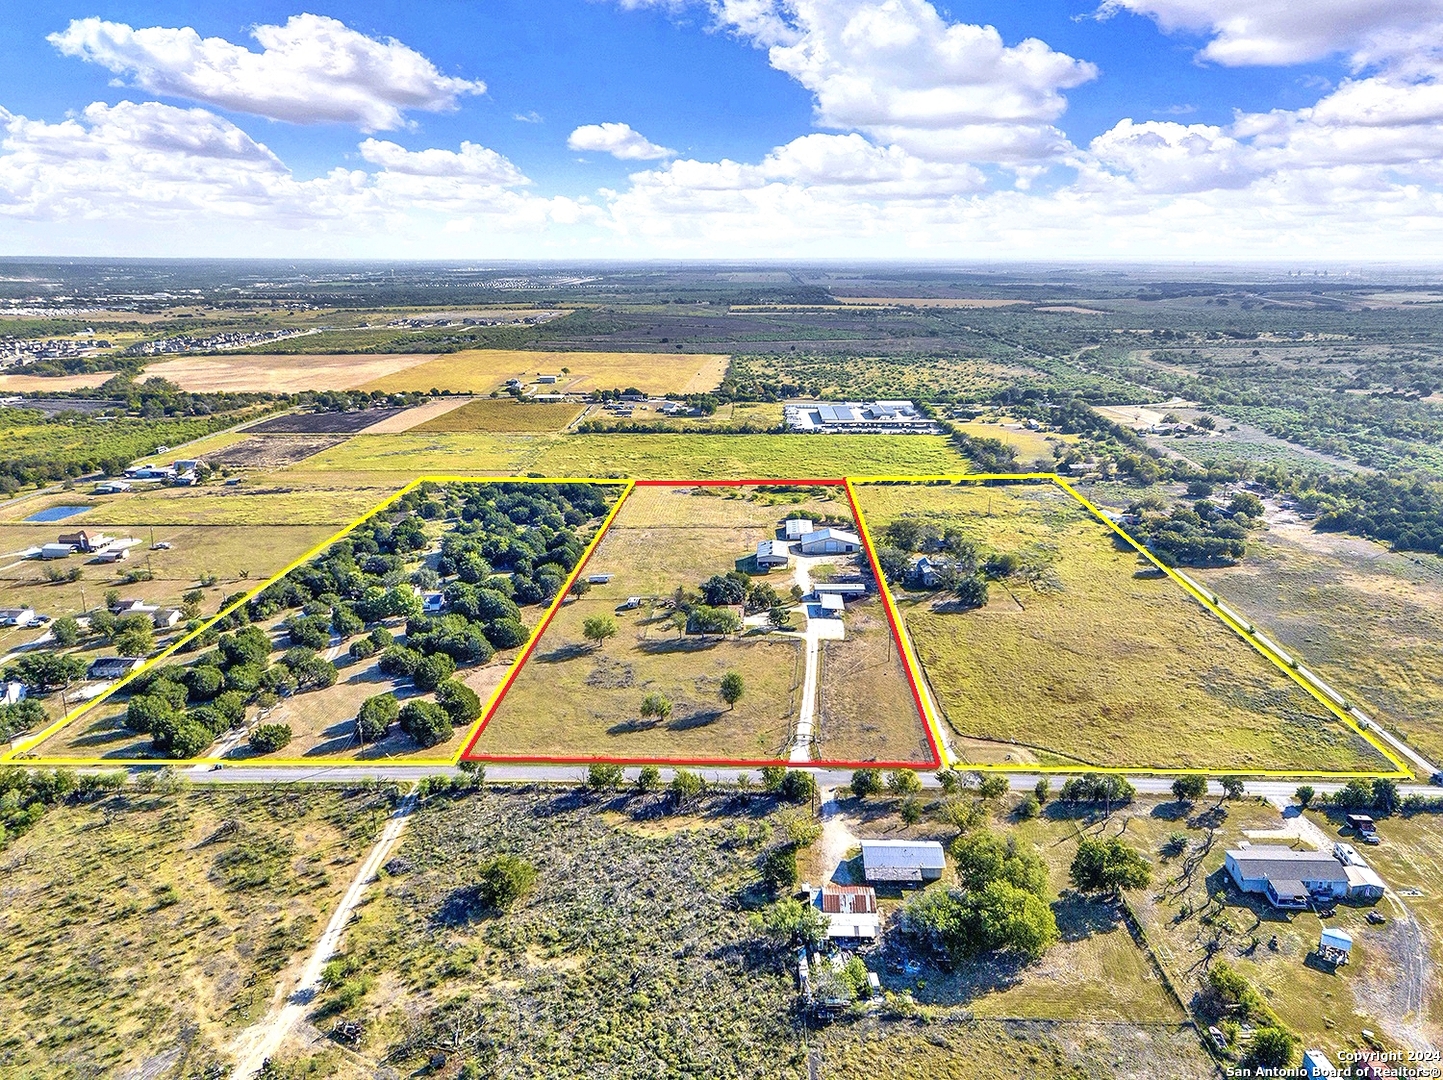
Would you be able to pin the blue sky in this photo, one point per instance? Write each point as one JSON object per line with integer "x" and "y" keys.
{"x": 1217, "y": 128}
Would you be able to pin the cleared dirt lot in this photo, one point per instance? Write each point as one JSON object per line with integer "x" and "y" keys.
{"x": 272, "y": 451}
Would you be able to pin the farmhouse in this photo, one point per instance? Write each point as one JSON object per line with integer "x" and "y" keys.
{"x": 772, "y": 553}
{"x": 829, "y": 542}
{"x": 165, "y": 618}
{"x": 851, "y": 912}
{"x": 84, "y": 541}
{"x": 1291, "y": 880}
{"x": 902, "y": 861}
{"x": 150, "y": 472}
{"x": 796, "y": 528}
{"x": 433, "y": 603}
{"x": 17, "y": 616}
{"x": 112, "y": 667}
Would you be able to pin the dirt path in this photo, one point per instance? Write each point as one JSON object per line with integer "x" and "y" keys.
{"x": 837, "y": 837}
{"x": 257, "y": 1043}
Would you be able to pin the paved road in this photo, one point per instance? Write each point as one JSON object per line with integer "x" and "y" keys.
{"x": 1277, "y": 791}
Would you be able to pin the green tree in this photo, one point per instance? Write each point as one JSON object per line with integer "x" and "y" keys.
{"x": 504, "y": 879}
{"x": 268, "y": 738}
{"x": 983, "y": 857}
{"x": 795, "y": 921}
{"x": 597, "y": 629}
{"x": 1016, "y": 920}
{"x": 604, "y": 776}
{"x": 686, "y": 785}
{"x": 779, "y": 866}
{"x": 732, "y": 688}
{"x": 655, "y": 706}
{"x": 1108, "y": 866}
{"x": 903, "y": 782}
{"x": 993, "y": 786}
{"x": 462, "y": 704}
{"x": 433, "y": 670}
{"x": 66, "y": 631}
{"x": 773, "y": 777}
{"x": 648, "y": 779}
{"x": 1190, "y": 788}
{"x": 779, "y": 618}
{"x": 798, "y": 786}
{"x": 42, "y": 671}
{"x": 1385, "y": 795}
{"x": 1273, "y": 1047}
{"x": 134, "y": 636}
{"x": 866, "y": 782}
{"x": 1042, "y": 789}
{"x": 1232, "y": 787}
{"x": 376, "y": 716}
{"x": 189, "y": 740}
{"x": 971, "y": 591}
{"x": 1304, "y": 795}
{"x": 426, "y": 723}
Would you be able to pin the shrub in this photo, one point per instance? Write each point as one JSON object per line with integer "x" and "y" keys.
{"x": 1190, "y": 788}
{"x": 268, "y": 738}
{"x": 649, "y": 779}
{"x": 604, "y": 776}
{"x": 597, "y": 629}
{"x": 362, "y": 649}
{"x": 398, "y": 661}
{"x": 504, "y": 880}
{"x": 779, "y": 866}
{"x": 204, "y": 682}
{"x": 903, "y": 782}
{"x": 1029, "y": 808}
{"x": 993, "y": 786}
{"x": 798, "y": 787}
{"x": 142, "y": 713}
{"x": 189, "y": 740}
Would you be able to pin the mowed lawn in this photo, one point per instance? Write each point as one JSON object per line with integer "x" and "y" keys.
{"x": 573, "y": 699}
{"x": 144, "y": 925}
{"x": 865, "y": 707}
{"x": 1096, "y": 658}
{"x": 479, "y": 371}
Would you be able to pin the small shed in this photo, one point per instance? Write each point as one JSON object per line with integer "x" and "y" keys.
{"x": 56, "y": 551}
{"x": 597, "y": 579}
{"x": 1362, "y": 824}
{"x": 1335, "y": 946}
{"x": 833, "y": 605}
{"x": 796, "y": 528}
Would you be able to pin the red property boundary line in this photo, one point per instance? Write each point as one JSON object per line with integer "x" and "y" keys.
{"x": 711, "y": 762}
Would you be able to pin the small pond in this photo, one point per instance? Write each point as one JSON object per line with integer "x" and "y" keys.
{"x": 58, "y": 513}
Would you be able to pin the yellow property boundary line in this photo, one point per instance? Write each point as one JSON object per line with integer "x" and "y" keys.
{"x": 1401, "y": 771}
{"x": 20, "y": 752}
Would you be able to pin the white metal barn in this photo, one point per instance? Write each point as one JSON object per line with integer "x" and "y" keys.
{"x": 796, "y": 528}
{"x": 829, "y": 542}
{"x": 771, "y": 553}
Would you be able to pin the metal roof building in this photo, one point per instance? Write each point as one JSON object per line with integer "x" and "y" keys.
{"x": 829, "y": 542}
{"x": 902, "y": 860}
{"x": 773, "y": 553}
{"x": 1290, "y": 879}
{"x": 851, "y": 911}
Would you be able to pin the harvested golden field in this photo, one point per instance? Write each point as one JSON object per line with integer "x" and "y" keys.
{"x": 50, "y": 384}
{"x": 1089, "y": 655}
{"x": 502, "y": 414}
{"x": 479, "y": 371}
{"x": 281, "y": 374}
{"x": 413, "y": 418}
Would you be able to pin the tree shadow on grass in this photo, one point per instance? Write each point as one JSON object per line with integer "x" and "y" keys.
{"x": 461, "y": 907}
{"x": 632, "y": 726}
{"x": 1080, "y": 917}
{"x": 697, "y": 719}
{"x": 563, "y": 653}
{"x": 689, "y": 644}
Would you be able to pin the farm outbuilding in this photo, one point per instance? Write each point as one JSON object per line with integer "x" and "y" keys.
{"x": 1335, "y": 946}
{"x": 829, "y": 542}
{"x": 902, "y": 861}
{"x": 112, "y": 667}
{"x": 773, "y": 553}
{"x": 833, "y": 605}
{"x": 851, "y": 912}
{"x": 56, "y": 551}
{"x": 796, "y": 528}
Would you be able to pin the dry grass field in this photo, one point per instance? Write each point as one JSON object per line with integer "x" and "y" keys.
{"x": 503, "y": 414}
{"x": 479, "y": 371}
{"x": 1030, "y": 445}
{"x": 282, "y": 374}
{"x": 865, "y": 707}
{"x": 141, "y": 932}
{"x": 1088, "y": 655}
{"x": 1368, "y": 620}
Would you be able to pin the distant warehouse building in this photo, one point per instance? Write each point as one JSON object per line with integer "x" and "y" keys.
{"x": 902, "y": 861}
{"x": 1291, "y": 880}
{"x": 829, "y": 542}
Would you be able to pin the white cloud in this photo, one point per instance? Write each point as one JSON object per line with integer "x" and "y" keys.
{"x": 128, "y": 168}
{"x": 1161, "y": 156}
{"x": 1295, "y": 31}
{"x": 898, "y": 71}
{"x": 312, "y": 70}
{"x": 618, "y": 140}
